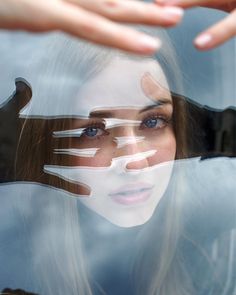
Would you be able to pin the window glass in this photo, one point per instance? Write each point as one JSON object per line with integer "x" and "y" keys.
{"x": 117, "y": 172}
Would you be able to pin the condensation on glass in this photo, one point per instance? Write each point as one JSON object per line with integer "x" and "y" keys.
{"x": 117, "y": 172}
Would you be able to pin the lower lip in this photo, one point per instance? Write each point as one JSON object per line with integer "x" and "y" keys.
{"x": 132, "y": 198}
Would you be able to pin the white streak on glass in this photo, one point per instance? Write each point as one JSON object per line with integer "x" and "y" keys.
{"x": 69, "y": 133}
{"x": 90, "y": 152}
{"x": 87, "y": 174}
{"x": 109, "y": 123}
{"x": 121, "y": 163}
{"x": 113, "y": 122}
{"x": 126, "y": 140}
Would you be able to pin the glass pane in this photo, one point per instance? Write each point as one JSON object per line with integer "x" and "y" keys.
{"x": 117, "y": 172}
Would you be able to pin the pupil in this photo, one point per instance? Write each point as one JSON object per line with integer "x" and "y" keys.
{"x": 151, "y": 123}
{"x": 91, "y": 131}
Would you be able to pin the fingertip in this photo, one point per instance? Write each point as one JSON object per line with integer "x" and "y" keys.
{"x": 167, "y": 2}
{"x": 160, "y": 2}
{"x": 148, "y": 45}
{"x": 203, "y": 41}
{"x": 23, "y": 85}
{"x": 173, "y": 14}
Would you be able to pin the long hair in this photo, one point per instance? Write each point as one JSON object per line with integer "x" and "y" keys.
{"x": 68, "y": 62}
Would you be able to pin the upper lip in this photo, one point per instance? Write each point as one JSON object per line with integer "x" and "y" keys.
{"x": 131, "y": 189}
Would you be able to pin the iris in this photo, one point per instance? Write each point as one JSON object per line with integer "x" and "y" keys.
{"x": 151, "y": 122}
{"x": 91, "y": 131}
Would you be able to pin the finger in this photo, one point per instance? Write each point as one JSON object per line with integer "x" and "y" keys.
{"x": 217, "y": 4}
{"x": 190, "y": 3}
{"x": 27, "y": 15}
{"x": 97, "y": 29}
{"x": 74, "y": 188}
{"x": 8, "y": 291}
{"x": 40, "y": 16}
{"x": 20, "y": 98}
{"x": 217, "y": 34}
{"x": 23, "y": 92}
{"x": 132, "y": 11}
{"x": 74, "y": 157}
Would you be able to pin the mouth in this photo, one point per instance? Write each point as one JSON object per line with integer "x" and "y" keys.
{"x": 132, "y": 194}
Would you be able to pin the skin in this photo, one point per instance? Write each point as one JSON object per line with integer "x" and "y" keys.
{"x": 144, "y": 164}
{"x": 92, "y": 20}
{"x": 159, "y": 138}
{"x": 218, "y": 33}
{"x": 96, "y": 21}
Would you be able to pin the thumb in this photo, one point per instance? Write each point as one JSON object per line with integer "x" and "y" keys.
{"x": 19, "y": 99}
{"x": 23, "y": 94}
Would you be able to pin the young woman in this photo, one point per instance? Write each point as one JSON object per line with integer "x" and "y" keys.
{"x": 103, "y": 205}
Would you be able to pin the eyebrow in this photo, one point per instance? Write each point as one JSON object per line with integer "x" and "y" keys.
{"x": 160, "y": 102}
{"x": 108, "y": 114}
{"x": 101, "y": 114}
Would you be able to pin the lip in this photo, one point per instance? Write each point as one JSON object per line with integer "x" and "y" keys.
{"x": 132, "y": 194}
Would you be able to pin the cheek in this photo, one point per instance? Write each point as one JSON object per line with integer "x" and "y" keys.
{"x": 165, "y": 146}
{"x": 102, "y": 158}
{"x": 164, "y": 143}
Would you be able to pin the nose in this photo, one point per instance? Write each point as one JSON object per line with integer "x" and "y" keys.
{"x": 137, "y": 164}
{"x": 131, "y": 147}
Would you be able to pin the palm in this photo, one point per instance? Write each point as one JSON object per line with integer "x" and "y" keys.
{"x": 29, "y": 145}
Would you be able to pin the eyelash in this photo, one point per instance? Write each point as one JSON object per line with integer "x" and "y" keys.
{"x": 98, "y": 125}
{"x": 95, "y": 125}
{"x": 166, "y": 120}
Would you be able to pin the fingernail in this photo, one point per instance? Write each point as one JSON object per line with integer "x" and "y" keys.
{"x": 172, "y": 12}
{"x": 160, "y": 1}
{"x": 147, "y": 43}
{"x": 168, "y": 2}
{"x": 203, "y": 40}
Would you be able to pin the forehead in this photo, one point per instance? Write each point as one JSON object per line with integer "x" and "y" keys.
{"x": 118, "y": 85}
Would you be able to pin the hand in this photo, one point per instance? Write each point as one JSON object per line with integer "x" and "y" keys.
{"x": 92, "y": 20}
{"x": 10, "y": 128}
{"x": 8, "y": 291}
{"x": 219, "y": 32}
{"x": 27, "y": 145}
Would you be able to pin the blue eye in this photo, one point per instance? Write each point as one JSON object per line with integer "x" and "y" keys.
{"x": 154, "y": 122}
{"x": 93, "y": 131}
{"x": 150, "y": 123}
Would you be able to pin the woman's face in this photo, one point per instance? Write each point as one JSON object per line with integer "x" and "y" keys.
{"x": 123, "y": 143}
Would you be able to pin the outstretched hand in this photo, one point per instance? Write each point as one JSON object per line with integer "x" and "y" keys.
{"x": 92, "y": 20}
{"x": 27, "y": 145}
{"x": 8, "y": 291}
{"x": 219, "y": 32}
{"x": 10, "y": 127}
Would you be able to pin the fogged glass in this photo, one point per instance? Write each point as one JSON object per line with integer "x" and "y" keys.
{"x": 117, "y": 171}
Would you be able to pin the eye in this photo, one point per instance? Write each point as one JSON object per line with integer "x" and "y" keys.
{"x": 94, "y": 132}
{"x": 154, "y": 122}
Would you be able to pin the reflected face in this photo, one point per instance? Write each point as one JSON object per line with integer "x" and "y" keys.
{"x": 124, "y": 146}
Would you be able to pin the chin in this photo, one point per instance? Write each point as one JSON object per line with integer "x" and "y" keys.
{"x": 130, "y": 220}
